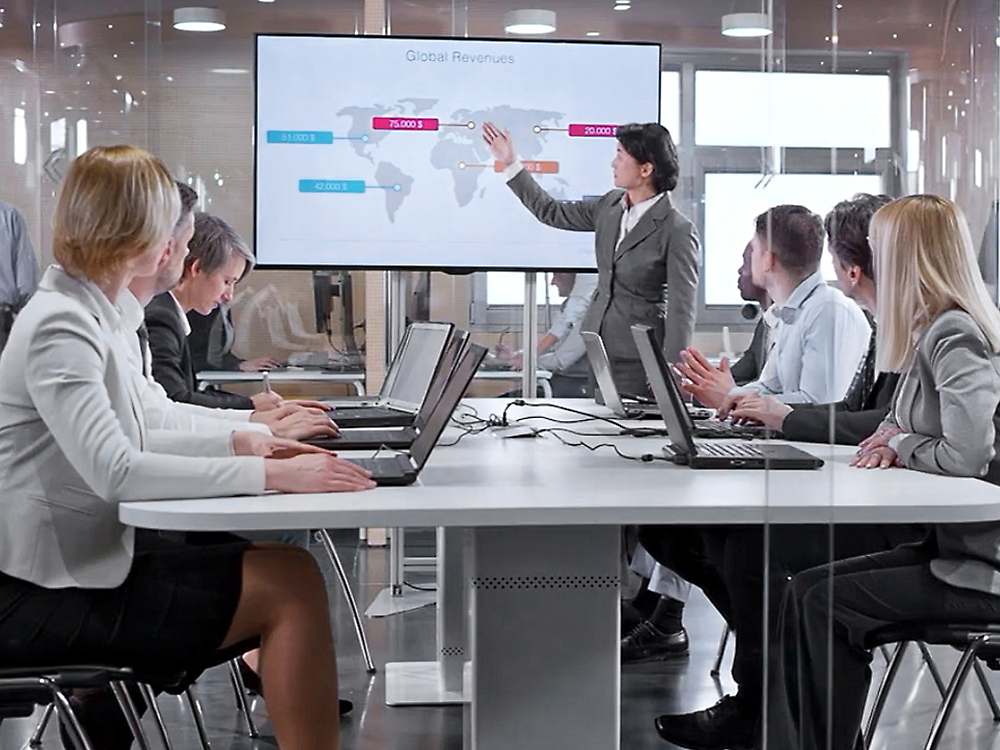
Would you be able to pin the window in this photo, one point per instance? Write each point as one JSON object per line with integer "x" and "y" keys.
{"x": 794, "y": 110}
{"x": 734, "y": 200}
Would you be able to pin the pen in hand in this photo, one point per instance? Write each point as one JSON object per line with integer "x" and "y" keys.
{"x": 267, "y": 382}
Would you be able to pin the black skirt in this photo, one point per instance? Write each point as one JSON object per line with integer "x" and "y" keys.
{"x": 167, "y": 621}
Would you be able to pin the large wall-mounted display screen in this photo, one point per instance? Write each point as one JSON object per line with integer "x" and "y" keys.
{"x": 369, "y": 150}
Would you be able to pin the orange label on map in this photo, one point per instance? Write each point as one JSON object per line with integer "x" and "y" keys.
{"x": 536, "y": 167}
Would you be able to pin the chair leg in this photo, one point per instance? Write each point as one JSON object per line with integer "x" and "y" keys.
{"x": 721, "y": 652}
{"x": 36, "y": 736}
{"x": 131, "y": 714}
{"x": 64, "y": 711}
{"x": 957, "y": 679}
{"x": 352, "y": 603}
{"x": 987, "y": 691}
{"x": 161, "y": 728}
{"x": 199, "y": 720}
{"x": 883, "y": 693}
{"x": 932, "y": 667}
{"x": 242, "y": 706}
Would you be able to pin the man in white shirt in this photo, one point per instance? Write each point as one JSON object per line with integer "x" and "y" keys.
{"x": 561, "y": 350}
{"x": 820, "y": 336}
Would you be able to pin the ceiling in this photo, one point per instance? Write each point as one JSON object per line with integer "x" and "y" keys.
{"x": 799, "y": 24}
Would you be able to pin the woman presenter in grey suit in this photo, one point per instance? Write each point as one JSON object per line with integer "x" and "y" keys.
{"x": 647, "y": 251}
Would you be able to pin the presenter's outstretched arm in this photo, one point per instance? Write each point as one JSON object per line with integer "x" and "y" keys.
{"x": 577, "y": 216}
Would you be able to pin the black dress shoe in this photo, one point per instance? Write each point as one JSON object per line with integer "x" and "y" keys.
{"x": 727, "y": 725}
{"x": 255, "y": 687}
{"x": 631, "y": 616}
{"x": 646, "y": 642}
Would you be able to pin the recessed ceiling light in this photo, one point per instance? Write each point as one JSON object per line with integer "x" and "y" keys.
{"x": 529, "y": 21}
{"x": 199, "y": 19}
{"x": 623, "y": 6}
{"x": 593, "y": 33}
{"x": 233, "y": 71}
{"x": 746, "y": 25}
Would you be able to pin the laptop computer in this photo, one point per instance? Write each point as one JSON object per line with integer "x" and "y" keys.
{"x": 363, "y": 438}
{"x": 601, "y": 365}
{"x": 403, "y": 468}
{"x": 683, "y": 449}
{"x": 406, "y": 383}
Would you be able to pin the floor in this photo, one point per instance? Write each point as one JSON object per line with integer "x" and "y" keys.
{"x": 646, "y": 690}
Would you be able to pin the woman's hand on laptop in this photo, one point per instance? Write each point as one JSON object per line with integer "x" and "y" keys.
{"x": 315, "y": 472}
{"x": 266, "y": 400}
{"x": 246, "y": 443}
{"x": 710, "y": 385}
{"x": 306, "y": 403}
{"x": 764, "y": 410}
{"x": 304, "y": 423}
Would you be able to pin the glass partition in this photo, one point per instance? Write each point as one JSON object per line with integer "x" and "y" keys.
{"x": 839, "y": 98}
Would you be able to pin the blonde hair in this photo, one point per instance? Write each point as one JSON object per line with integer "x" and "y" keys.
{"x": 925, "y": 265}
{"x": 117, "y": 202}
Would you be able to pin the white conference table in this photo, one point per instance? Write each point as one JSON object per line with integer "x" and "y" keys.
{"x": 356, "y": 379}
{"x": 543, "y": 536}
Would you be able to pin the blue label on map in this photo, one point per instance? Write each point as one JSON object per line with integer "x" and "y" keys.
{"x": 304, "y": 137}
{"x": 331, "y": 186}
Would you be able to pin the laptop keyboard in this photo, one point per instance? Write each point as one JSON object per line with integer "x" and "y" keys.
{"x": 378, "y": 437}
{"x": 729, "y": 450}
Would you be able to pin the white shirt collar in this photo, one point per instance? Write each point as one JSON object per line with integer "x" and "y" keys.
{"x": 132, "y": 312}
{"x": 641, "y": 207}
{"x": 185, "y": 325}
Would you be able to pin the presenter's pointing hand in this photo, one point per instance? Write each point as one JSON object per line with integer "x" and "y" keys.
{"x": 499, "y": 143}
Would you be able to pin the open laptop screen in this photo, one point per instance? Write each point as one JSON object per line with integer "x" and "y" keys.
{"x": 665, "y": 390}
{"x": 418, "y": 360}
{"x": 453, "y": 392}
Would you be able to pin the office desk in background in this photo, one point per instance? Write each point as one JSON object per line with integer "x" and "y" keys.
{"x": 543, "y": 536}
{"x": 515, "y": 376}
{"x": 356, "y": 379}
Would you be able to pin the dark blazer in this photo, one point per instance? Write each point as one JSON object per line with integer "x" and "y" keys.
{"x": 854, "y": 418}
{"x": 747, "y": 368}
{"x": 211, "y": 340}
{"x": 660, "y": 253}
{"x": 172, "y": 364}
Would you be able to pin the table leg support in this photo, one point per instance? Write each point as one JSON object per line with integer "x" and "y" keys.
{"x": 439, "y": 682}
{"x": 545, "y": 638}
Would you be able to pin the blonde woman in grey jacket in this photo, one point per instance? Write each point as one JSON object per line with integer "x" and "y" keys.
{"x": 938, "y": 327}
{"x": 78, "y": 586}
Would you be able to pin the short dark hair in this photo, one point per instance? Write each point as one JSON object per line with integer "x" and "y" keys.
{"x": 795, "y": 235}
{"x": 650, "y": 143}
{"x": 847, "y": 230}
{"x": 213, "y": 244}
{"x": 189, "y": 199}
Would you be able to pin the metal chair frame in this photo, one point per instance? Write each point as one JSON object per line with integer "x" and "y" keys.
{"x": 974, "y": 640}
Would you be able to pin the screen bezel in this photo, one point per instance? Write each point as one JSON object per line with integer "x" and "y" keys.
{"x": 423, "y": 38}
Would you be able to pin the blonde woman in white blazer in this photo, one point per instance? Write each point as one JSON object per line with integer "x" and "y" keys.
{"x": 74, "y": 443}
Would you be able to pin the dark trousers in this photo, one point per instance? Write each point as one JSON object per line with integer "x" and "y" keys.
{"x": 811, "y": 694}
{"x": 7, "y": 316}
{"x": 744, "y": 571}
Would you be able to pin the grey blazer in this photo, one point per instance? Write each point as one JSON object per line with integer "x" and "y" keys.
{"x": 650, "y": 278}
{"x": 74, "y": 442}
{"x": 947, "y": 404}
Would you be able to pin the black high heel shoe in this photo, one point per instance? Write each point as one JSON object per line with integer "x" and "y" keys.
{"x": 253, "y": 684}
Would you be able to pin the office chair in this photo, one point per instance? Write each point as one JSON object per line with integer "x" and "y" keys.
{"x": 978, "y": 643}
